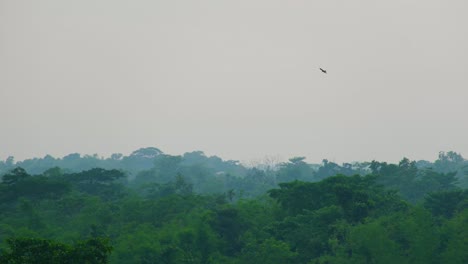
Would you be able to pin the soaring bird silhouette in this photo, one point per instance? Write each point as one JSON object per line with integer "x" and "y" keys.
{"x": 324, "y": 71}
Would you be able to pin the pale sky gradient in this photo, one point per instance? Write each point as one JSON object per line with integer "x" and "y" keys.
{"x": 238, "y": 79}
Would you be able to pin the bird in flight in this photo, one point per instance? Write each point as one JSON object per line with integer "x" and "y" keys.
{"x": 324, "y": 71}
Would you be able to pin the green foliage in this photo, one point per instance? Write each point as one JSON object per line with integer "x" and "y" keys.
{"x": 184, "y": 209}
{"x": 412, "y": 183}
{"x": 455, "y": 242}
{"x": 270, "y": 251}
{"x": 229, "y": 225}
{"x": 448, "y": 162}
{"x": 42, "y": 251}
{"x": 357, "y": 196}
{"x": 447, "y": 203}
{"x": 14, "y": 176}
{"x": 329, "y": 169}
{"x": 371, "y": 243}
{"x": 295, "y": 169}
{"x": 17, "y": 183}
{"x": 97, "y": 181}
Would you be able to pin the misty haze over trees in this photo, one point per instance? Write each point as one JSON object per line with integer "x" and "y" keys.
{"x": 151, "y": 207}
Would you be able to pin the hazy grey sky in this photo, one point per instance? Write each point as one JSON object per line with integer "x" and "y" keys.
{"x": 238, "y": 79}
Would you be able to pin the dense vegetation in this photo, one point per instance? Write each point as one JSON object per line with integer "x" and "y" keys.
{"x": 150, "y": 207}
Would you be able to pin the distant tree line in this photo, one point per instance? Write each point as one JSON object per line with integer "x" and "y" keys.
{"x": 198, "y": 209}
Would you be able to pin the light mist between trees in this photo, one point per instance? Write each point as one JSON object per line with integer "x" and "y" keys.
{"x": 150, "y": 207}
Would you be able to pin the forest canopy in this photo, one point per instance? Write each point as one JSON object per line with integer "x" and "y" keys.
{"x": 151, "y": 207}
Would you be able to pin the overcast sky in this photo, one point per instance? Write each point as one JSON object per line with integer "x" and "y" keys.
{"x": 238, "y": 79}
